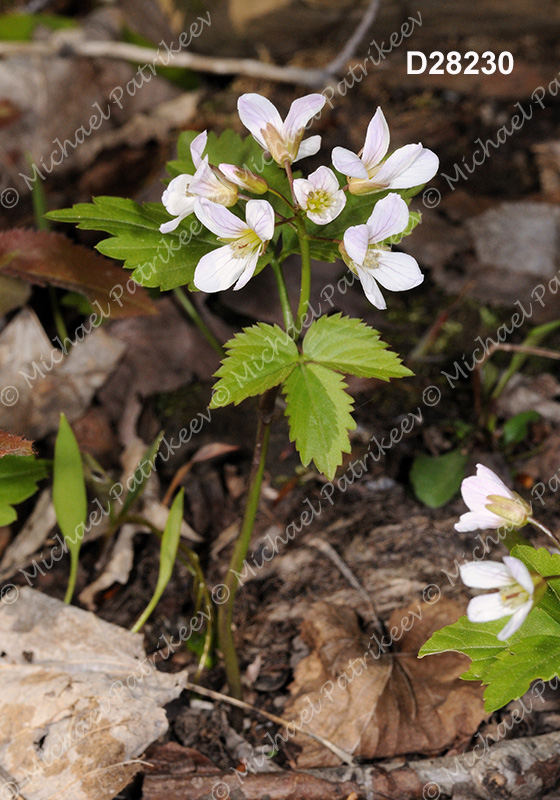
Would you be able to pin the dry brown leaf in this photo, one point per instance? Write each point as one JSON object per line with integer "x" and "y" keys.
{"x": 43, "y": 257}
{"x": 80, "y": 700}
{"x": 12, "y": 445}
{"x": 379, "y": 706}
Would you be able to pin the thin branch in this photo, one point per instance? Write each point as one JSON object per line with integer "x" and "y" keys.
{"x": 315, "y": 78}
{"x": 146, "y": 55}
{"x": 342, "y": 754}
{"x": 337, "y": 64}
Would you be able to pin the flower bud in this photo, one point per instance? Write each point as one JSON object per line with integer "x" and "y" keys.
{"x": 244, "y": 178}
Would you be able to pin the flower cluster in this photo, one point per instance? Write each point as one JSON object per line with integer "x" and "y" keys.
{"x": 365, "y": 248}
{"x": 492, "y": 505}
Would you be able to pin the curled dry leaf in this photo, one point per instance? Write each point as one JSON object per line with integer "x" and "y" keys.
{"x": 378, "y": 701}
{"x": 12, "y": 445}
{"x": 43, "y": 257}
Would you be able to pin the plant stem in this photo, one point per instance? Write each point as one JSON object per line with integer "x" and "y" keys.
{"x": 57, "y": 316}
{"x": 544, "y": 530}
{"x": 305, "y": 275}
{"x": 225, "y": 610}
{"x": 190, "y": 308}
{"x": 284, "y": 299}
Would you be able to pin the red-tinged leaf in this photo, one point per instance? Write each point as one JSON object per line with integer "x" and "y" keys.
{"x": 43, "y": 258}
{"x": 12, "y": 445}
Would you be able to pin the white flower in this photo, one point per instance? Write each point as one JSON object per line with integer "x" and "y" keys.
{"x": 491, "y": 503}
{"x": 374, "y": 262}
{"x": 408, "y": 166}
{"x": 515, "y": 598}
{"x": 182, "y": 191}
{"x": 234, "y": 263}
{"x": 282, "y": 139}
{"x": 320, "y": 195}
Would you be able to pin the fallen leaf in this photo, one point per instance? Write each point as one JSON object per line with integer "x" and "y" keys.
{"x": 80, "y": 701}
{"x": 37, "y": 381}
{"x": 43, "y": 257}
{"x": 380, "y": 703}
{"x": 12, "y": 445}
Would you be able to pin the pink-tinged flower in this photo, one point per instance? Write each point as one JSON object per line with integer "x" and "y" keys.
{"x": 320, "y": 195}
{"x": 182, "y": 191}
{"x": 491, "y": 503}
{"x": 372, "y": 261}
{"x": 367, "y": 172}
{"x": 236, "y": 262}
{"x": 282, "y": 139}
{"x": 515, "y": 598}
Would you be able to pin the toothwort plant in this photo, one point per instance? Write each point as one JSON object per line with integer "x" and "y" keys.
{"x": 506, "y": 658}
{"x": 235, "y": 206}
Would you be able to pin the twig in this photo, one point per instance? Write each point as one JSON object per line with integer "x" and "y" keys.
{"x": 123, "y": 51}
{"x": 315, "y": 78}
{"x": 338, "y": 63}
{"x": 342, "y": 754}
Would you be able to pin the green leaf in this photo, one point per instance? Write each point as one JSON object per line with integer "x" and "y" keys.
{"x": 435, "y": 479}
{"x": 167, "y": 556}
{"x": 476, "y": 640}
{"x": 543, "y": 563}
{"x": 162, "y": 260}
{"x": 69, "y": 496}
{"x": 515, "y": 429}
{"x": 257, "y": 359}
{"x": 514, "y": 670}
{"x": 20, "y": 27}
{"x": 350, "y": 346}
{"x": 318, "y": 409}
{"x": 19, "y": 476}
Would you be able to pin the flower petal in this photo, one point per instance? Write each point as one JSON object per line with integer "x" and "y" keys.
{"x": 218, "y": 219}
{"x": 249, "y": 267}
{"x": 198, "y": 145}
{"x": 260, "y": 218}
{"x": 176, "y": 198}
{"x": 302, "y": 187}
{"x": 371, "y": 289}
{"x": 485, "y": 574}
{"x": 487, "y": 607}
{"x": 301, "y": 111}
{"x": 377, "y": 140}
{"x": 218, "y": 270}
{"x": 516, "y": 621}
{"x": 356, "y": 243}
{"x": 256, "y": 112}
{"x": 324, "y": 178}
{"x": 408, "y": 166}
{"x": 494, "y": 484}
{"x": 206, "y": 184}
{"x": 388, "y": 218}
{"x": 308, "y": 147}
{"x": 398, "y": 271}
{"x": 348, "y": 163}
{"x": 167, "y": 227}
{"x": 520, "y": 573}
{"x": 478, "y": 520}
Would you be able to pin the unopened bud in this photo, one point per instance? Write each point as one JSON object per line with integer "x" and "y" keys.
{"x": 512, "y": 509}
{"x": 244, "y": 178}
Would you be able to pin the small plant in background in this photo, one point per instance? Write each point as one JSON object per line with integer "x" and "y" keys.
{"x": 506, "y": 657}
{"x": 236, "y": 207}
